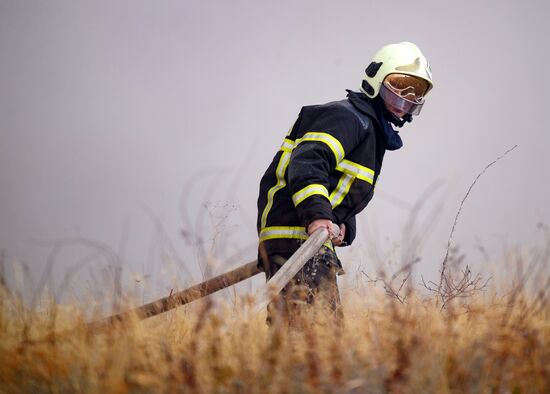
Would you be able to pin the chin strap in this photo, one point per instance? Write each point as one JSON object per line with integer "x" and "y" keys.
{"x": 395, "y": 120}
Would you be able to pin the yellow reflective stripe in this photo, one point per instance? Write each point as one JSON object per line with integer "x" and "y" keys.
{"x": 309, "y": 191}
{"x": 288, "y": 145}
{"x": 288, "y": 232}
{"x": 357, "y": 170}
{"x": 334, "y": 145}
{"x": 342, "y": 189}
{"x": 282, "y": 232}
{"x": 280, "y": 173}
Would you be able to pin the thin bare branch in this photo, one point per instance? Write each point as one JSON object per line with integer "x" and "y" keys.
{"x": 449, "y": 241}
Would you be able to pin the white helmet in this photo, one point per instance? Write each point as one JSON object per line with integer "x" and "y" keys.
{"x": 403, "y": 59}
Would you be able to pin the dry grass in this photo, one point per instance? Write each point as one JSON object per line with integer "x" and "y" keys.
{"x": 453, "y": 335}
{"x": 480, "y": 344}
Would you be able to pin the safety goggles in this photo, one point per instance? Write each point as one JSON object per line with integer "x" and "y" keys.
{"x": 404, "y": 93}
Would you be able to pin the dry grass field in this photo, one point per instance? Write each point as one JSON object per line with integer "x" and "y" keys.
{"x": 404, "y": 340}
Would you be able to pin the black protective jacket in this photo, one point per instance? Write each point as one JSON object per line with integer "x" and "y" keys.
{"x": 326, "y": 168}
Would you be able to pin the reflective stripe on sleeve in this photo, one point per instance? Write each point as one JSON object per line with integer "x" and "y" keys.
{"x": 280, "y": 174}
{"x": 357, "y": 170}
{"x": 342, "y": 189}
{"x": 309, "y": 191}
{"x": 334, "y": 145}
{"x": 288, "y": 145}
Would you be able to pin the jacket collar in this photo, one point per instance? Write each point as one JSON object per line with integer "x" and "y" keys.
{"x": 363, "y": 104}
{"x": 375, "y": 110}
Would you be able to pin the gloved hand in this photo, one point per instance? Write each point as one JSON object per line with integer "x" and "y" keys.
{"x": 337, "y": 239}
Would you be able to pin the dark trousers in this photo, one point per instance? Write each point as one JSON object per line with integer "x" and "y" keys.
{"x": 313, "y": 292}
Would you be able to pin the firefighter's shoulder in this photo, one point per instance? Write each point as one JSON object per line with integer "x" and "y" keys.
{"x": 335, "y": 113}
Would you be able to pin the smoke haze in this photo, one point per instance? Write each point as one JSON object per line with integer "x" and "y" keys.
{"x": 146, "y": 128}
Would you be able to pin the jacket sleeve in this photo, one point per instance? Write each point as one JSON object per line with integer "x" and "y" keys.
{"x": 350, "y": 231}
{"x": 327, "y": 135}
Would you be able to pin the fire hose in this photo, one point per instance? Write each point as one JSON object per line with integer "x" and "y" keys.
{"x": 263, "y": 296}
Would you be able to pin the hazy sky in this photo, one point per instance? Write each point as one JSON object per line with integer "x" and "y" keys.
{"x": 118, "y": 118}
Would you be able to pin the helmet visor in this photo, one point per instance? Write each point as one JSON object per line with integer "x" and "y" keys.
{"x": 404, "y": 93}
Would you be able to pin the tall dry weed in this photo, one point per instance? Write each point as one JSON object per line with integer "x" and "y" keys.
{"x": 487, "y": 344}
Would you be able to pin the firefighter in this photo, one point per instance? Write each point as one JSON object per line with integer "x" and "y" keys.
{"x": 326, "y": 170}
